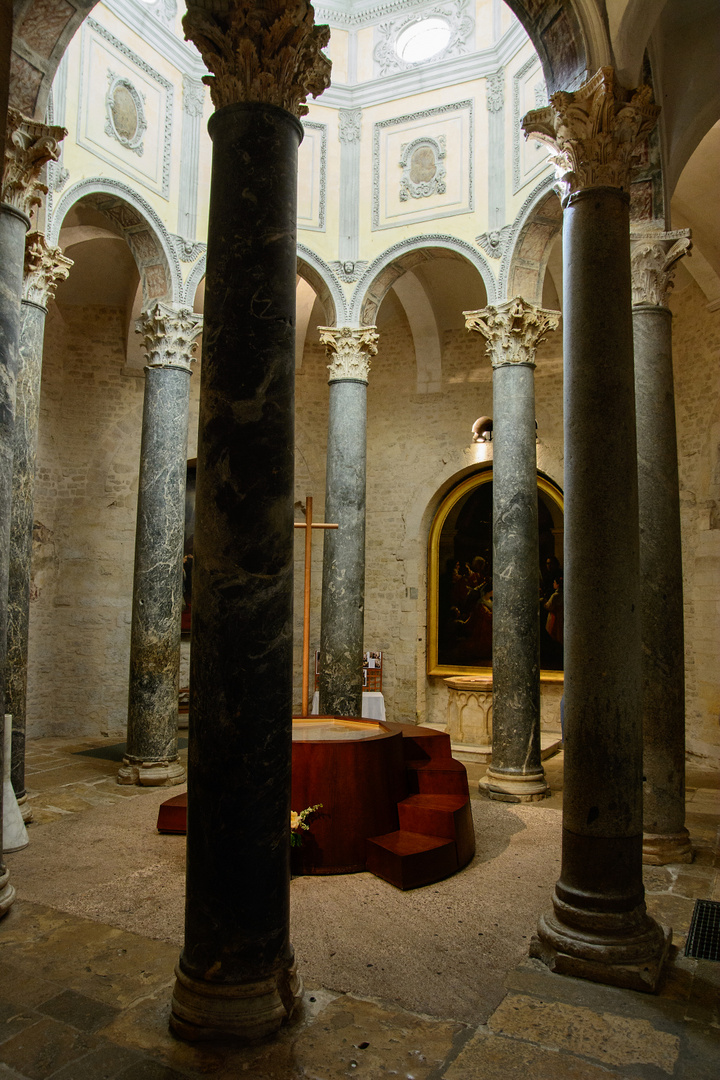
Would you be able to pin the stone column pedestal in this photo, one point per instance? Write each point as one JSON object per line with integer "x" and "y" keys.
{"x": 236, "y": 976}
{"x": 45, "y": 267}
{"x": 599, "y": 927}
{"x": 151, "y": 756}
{"x": 513, "y": 331}
{"x": 665, "y": 838}
{"x": 343, "y": 590}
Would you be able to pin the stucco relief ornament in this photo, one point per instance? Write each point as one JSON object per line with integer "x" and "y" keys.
{"x": 268, "y": 52}
{"x": 350, "y": 350}
{"x": 45, "y": 268}
{"x": 653, "y": 258}
{"x": 513, "y": 330}
{"x": 29, "y": 146}
{"x": 349, "y": 271}
{"x": 593, "y": 131}
{"x": 495, "y": 242}
{"x": 169, "y": 335}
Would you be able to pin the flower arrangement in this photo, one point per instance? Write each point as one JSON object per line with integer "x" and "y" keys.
{"x": 297, "y": 823}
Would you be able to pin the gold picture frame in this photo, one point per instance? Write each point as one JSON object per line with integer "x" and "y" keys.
{"x": 439, "y": 661}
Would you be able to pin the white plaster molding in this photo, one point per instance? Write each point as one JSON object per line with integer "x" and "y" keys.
{"x": 329, "y": 280}
{"x": 311, "y": 125}
{"x": 349, "y": 125}
{"x": 460, "y": 22}
{"x": 349, "y": 350}
{"x": 495, "y": 242}
{"x": 421, "y": 189}
{"x": 536, "y": 196}
{"x": 141, "y": 19}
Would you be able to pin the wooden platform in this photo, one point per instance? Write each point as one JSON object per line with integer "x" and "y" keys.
{"x": 395, "y": 803}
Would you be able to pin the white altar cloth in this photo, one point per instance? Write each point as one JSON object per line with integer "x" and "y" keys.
{"x": 373, "y": 704}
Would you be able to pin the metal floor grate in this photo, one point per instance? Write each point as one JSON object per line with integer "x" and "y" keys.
{"x": 703, "y": 940}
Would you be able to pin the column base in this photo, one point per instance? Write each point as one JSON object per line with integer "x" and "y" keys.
{"x": 659, "y": 849}
{"x": 151, "y": 773}
{"x": 247, "y": 1011}
{"x": 7, "y": 892}
{"x": 25, "y": 808}
{"x": 626, "y": 949}
{"x": 505, "y": 787}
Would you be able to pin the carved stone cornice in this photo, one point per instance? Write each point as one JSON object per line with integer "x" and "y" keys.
{"x": 513, "y": 330}
{"x": 594, "y": 131}
{"x": 268, "y": 52}
{"x": 28, "y": 147}
{"x": 653, "y": 257}
{"x": 350, "y": 350}
{"x": 45, "y": 268}
{"x": 169, "y": 335}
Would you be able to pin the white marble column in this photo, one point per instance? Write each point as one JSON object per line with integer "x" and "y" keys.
{"x": 654, "y": 257}
{"x": 343, "y": 588}
{"x": 151, "y": 752}
{"x": 45, "y": 267}
{"x": 599, "y": 927}
{"x": 513, "y": 330}
{"x": 29, "y": 145}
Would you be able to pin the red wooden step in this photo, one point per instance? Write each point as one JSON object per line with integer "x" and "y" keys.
{"x": 449, "y": 816}
{"x": 408, "y": 860}
{"x": 440, "y": 777}
{"x": 172, "y": 815}
{"x": 425, "y": 744}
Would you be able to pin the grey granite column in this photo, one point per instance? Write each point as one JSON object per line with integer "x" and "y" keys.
{"x": 513, "y": 331}
{"x": 599, "y": 927}
{"x": 665, "y": 840}
{"x": 236, "y": 975}
{"x": 28, "y": 147}
{"x": 343, "y": 588}
{"x": 44, "y": 268}
{"x": 151, "y": 752}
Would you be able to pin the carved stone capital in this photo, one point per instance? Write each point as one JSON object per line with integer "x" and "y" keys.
{"x": 169, "y": 335}
{"x": 29, "y": 146}
{"x": 349, "y": 125}
{"x": 653, "y": 257}
{"x": 593, "y": 131}
{"x": 45, "y": 268}
{"x": 350, "y": 350}
{"x": 268, "y": 52}
{"x": 513, "y": 330}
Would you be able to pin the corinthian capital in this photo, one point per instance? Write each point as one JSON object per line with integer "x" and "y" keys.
{"x": 653, "y": 257}
{"x": 169, "y": 335}
{"x": 350, "y": 350}
{"x": 266, "y": 52}
{"x": 29, "y": 146}
{"x": 513, "y": 330}
{"x": 594, "y": 131}
{"x": 45, "y": 268}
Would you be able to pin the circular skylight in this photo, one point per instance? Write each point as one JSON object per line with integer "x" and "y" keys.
{"x": 423, "y": 40}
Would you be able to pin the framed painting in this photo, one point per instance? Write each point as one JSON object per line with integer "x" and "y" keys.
{"x": 460, "y": 580}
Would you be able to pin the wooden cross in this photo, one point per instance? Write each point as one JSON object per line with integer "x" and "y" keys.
{"x": 308, "y": 524}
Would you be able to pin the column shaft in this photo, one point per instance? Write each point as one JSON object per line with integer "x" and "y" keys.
{"x": 13, "y": 228}
{"x": 661, "y": 595}
{"x": 151, "y": 755}
{"x": 236, "y": 972}
{"x": 27, "y": 411}
{"x": 516, "y": 771}
{"x": 343, "y": 595}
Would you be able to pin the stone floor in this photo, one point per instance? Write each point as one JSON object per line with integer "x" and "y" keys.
{"x": 429, "y": 985}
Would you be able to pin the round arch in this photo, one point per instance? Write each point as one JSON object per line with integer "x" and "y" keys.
{"x": 143, "y": 229}
{"x": 531, "y": 239}
{"x": 379, "y": 277}
{"x": 320, "y": 276}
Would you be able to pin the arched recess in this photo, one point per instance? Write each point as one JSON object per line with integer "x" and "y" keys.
{"x": 460, "y": 568}
{"x": 403, "y": 256}
{"x": 569, "y": 37}
{"x": 142, "y": 228}
{"x": 413, "y": 296}
{"x": 531, "y": 241}
{"x": 41, "y": 32}
{"x": 326, "y": 285}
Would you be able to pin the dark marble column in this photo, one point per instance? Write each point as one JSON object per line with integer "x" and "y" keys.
{"x": 599, "y": 927}
{"x": 665, "y": 840}
{"x": 44, "y": 268}
{"x": 151, "y": 752}
{"x": 343, "y": 588}
{"x": 513, "y": 331}
{"x": 236, "y": 974}
{"x": 28, "y": 147}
